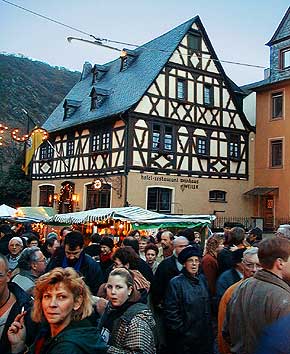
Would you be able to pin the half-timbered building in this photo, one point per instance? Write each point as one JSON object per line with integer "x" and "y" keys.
{"x": 161, "y": 127}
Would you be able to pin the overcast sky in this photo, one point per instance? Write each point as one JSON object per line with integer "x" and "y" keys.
{"x": 238, "y": 29}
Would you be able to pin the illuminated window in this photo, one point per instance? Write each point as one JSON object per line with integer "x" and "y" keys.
{"x": 46, "y": 195}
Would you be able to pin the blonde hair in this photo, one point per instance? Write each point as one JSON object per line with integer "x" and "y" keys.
{"x": 73, "y": 282}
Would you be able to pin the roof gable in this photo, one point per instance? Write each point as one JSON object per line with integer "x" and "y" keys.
{"x": 127, "y": 87}
{"x": 283, "y": 30}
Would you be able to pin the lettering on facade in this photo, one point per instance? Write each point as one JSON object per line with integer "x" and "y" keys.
{"x": 186, "y": 183}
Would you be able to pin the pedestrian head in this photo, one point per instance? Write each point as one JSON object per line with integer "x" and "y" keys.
{"x": 167, "y": 238}
{"x": 125, "y": 257}
{"x": 15, "y": 246}
{"x": 151, "y": 253}
{"x": 250, "y": 262}
{"x": 179, "y": 243}
{"x": 73, "y": 246}
{"x": 120, "y": 287}
{"x": 61, "y": 296}
{"x": 190, "y": 258}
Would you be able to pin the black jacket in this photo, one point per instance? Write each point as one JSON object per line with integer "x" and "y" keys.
{"x": 22, "y": 300}
{"x": 166, "y": 270}
{"x": 224, "y": 281}
{"x": 90, "y": 269}
{"x": 77, "y": 338}
{"x": 187, "y": 315}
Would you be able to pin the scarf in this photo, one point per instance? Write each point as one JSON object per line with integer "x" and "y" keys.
{"x": 105, "y": 257}
{"x": 77, "y": 265}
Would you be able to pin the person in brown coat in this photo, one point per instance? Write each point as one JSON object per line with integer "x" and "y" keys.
{"x": 209, "y": 261}
{"x": 259, "y": 300}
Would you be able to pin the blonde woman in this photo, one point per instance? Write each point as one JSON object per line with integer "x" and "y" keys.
{"x": 62, "y": 304}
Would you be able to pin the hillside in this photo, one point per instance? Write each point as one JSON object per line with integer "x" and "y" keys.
{"x": 38, "y": 88}
{"x": 32, "y": 85}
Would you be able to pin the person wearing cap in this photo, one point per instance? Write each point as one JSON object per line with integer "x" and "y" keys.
{"x": 255, "y": 236}
{"x": 106, "y": 245}
{"x": 6, "y": 233}
{"x": 15, "y": 247}
{"x": 187, "y": 308}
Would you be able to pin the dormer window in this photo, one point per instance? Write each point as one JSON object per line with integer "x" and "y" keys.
{"x": 70, "y": 106}
{"x": 285, "y": 58}
{"x": 127, "y": 58}
{"x": 98, "y": 72}
{"x": 98, "y": 96}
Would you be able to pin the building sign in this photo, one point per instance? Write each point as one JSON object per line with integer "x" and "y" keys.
{"x": 185, "y": 183}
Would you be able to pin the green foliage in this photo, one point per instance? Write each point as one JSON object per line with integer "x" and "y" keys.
{"x": 38, "y": 88}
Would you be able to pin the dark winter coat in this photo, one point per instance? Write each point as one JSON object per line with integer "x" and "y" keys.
{"x": 22, "y": 300}
{"x": 276, "y": 338}
{"x": 225, "y": 280}
{"x": 78, "y": 337}
{"x": 166, "y": 270}
{"x": 187, "y": 315}
{"x": 90, "y": 269}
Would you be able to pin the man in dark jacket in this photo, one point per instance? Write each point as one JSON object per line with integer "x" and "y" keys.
{"x": 230, "y": 276}
{"x": 187, "y": 308}
{"x": 73, "y": 255}
{"x": 12, "y": 301}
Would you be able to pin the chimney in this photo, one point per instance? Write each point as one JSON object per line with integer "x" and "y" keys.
{"x": 87, "y": 68}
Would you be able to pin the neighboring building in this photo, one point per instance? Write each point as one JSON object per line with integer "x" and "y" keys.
{"x": 271, "y": 193}
{"x": 161, "y": 127}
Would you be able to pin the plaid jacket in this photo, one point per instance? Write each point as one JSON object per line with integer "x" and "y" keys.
{"x": 133, "y": 332}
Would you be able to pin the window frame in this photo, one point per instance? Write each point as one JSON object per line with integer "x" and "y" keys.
{"x": 158, "y": 202}
{"x": 274, "y": 96}
{"x": 183, "y": 81}
{"x": 210, "y": 88}
{"x": 192, "y": 49}
{"x": 100, "y": 141}
{"x": 234, "y": 146}
{"x": 48, "y": 190}
{"x": 283, "y": 51}
{"x": 160, "y": 138}
{"x": 104, "y": 193}
{"x": 274, "y": 142}
{"x": 205, "y": 140}
{"x": 46, "y": 152}
{"x": 213, "y": 196}
{"x": 70, "y": 147}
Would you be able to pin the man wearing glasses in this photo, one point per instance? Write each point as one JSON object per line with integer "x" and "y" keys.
{"x": 261, "y": 299}
{"x": 32, "y": 264}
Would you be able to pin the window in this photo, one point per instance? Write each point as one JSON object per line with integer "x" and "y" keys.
{"x": 70, "y": 146}
{"x": 277, "y": 105}
{"x": 276, "y": 153}
{"x": 181, "y": 89}
{"x": 285, "y": 58}
{"x": 217, "y": 196}
{"x": 194, "y": 42}
{"x": 99, "y": 198}
{"x": 46, "y": 195}
{"x": 202, "y": 146}
{"x": 208, "y": 95}
{"x": 124, "y": 63}
{"x": 159, "y": 199}
{"x": 100, "y": 141}
{"x": 234, "y": 146}
{"x": 162, "y": 137}
{"x": 46, "y": 151}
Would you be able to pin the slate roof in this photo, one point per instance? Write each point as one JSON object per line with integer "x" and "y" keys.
{"x": 127, "y": 87}
{"x": 279, "y": 35}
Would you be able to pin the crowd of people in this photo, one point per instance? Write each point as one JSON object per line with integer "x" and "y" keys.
{"x": 159, "y": 294}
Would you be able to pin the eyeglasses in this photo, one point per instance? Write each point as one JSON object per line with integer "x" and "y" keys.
{"x": 193, "y": 261}
{"x": 41, "y": 260}
{"x": 252, "y": 265}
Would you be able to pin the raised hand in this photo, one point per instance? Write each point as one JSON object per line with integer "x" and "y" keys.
{"x": 17, "y": 333}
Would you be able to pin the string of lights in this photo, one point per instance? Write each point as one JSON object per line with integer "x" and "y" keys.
{"x": 98, "y": 40}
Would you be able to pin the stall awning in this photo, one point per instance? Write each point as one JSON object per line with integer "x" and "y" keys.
{"x": 34, "y": 214}
{"x": 135, "y": 215}
{"x": 261, "y": 190}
